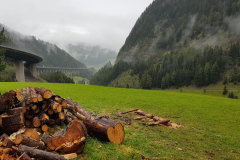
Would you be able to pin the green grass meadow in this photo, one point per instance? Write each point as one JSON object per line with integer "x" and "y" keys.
{"x": 211, "y": 124}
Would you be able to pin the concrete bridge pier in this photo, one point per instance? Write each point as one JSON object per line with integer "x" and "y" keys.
{"x": 33, "y": 69}
{"x": 19, "y": 67}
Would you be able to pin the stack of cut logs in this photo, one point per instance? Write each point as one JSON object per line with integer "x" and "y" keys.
{"x": 41, "y": 109}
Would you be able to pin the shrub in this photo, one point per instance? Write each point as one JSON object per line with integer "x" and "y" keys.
{"x": 231, "y": 95}
{"x": 225, "y": 91}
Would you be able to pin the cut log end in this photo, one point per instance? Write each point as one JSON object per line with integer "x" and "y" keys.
{"x": 44, "y": 128}
{"x": 47, "y": 94}
{"x": 116, "y": 135}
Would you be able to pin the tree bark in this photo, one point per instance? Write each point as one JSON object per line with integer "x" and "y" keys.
{"x": 26, "y": 95}
{"x": 12, "y": 123}
{"x": 15, "y": 110}
{"x": 45, "y": 138}
{"x": 25, "y": 140}
{"x": 143, "y": 113}
{"x": 79, "y": 108}
{"x": 165, "y": 121}
{"x": 7, "y": 101}
{"x": 33, "y": 94}
{"x": 105, "y": 129}
{"x": 44, "y": 92}
{"x": 130, "y": 111}
{"x": 24, "y": 156}
{"x": 38, "y": 154}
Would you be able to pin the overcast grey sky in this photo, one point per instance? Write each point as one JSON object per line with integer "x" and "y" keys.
{"x": 96, "y": 22}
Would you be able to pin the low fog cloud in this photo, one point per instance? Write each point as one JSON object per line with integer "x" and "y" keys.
{"x": 233, "y": 23}
{"x": 186, "y": 32}
{"x": 106, "y": 22}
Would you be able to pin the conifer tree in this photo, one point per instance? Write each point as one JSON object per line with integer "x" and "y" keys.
{"x": 2, "y": 51}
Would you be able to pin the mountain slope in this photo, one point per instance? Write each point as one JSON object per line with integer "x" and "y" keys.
{"x": 52, "y": 55}
{"x": 91, "y": 55}
{"x": 179, "y": 24}
{"x": 181, "y": 43}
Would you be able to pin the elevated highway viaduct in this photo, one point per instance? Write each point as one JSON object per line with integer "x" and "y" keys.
{"x": 59, "y": 69}
{"x": 31, "y": 60}
{"x": 19, "y": 57}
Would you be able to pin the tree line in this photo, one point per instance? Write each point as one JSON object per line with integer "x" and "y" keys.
{"x": 180, "y": 21}
{"x": 56, "y": 77}
{"x": 192, "y": 67}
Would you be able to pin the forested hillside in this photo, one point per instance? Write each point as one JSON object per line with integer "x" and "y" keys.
{"x": 52, "y": 55}
{"x": 181, "y": 42}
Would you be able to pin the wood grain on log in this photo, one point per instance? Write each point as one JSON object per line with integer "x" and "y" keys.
{"x": 29, "y": 115}
{"x": 36, "y": 122}
{"x": 69, "y": 140}
{"x": 61, "y": 115}
{"x": 44, "y": 128}
{"x": 44, "y": 92}
{"x": 39, "y": 97}
{"x": 32, "y": 133}
{"x": 39, "y": 154}
{"x": 33, "y": 94}
{"x": 44, "y": 117}
{"x": 25, "y": 140}
{"x": 70, "y": 156}
{"x": 105, "y": 129}
{"x": 19, "y": 95}
{"x": 50, "y": 111}
{"x": 33, "y": 106}
{"x": 64, "y": 104}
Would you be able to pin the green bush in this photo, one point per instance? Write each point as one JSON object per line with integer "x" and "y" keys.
{"x": 225, "y": 91}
